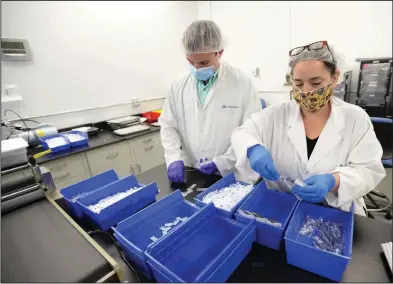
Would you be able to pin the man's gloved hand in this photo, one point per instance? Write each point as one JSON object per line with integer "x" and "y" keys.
{"x": 317, "y": 188}
{"x": 209, "y": 168}
{"x": 176, "y": 171}
{"x": 262, "y": 162}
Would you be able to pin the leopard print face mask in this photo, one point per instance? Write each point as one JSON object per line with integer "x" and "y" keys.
{"x": 314, "y": 100}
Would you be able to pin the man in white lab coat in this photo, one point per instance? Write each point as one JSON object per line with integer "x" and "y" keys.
{"x": 204, "y": 106}
{"x": 328, "y": 144}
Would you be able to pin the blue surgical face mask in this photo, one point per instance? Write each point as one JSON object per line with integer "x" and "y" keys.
{"x": 202, "y": 74}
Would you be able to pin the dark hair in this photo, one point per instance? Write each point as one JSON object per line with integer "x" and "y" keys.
{"x": 332, "y": 68}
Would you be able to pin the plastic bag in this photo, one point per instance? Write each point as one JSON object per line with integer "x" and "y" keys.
{"x": 286, "y": 184}
{"x": 326, "y": 235}
{"x": 262, "y": 219}
{"x": 309, "y": 225}
{"x": 331, "y": 233}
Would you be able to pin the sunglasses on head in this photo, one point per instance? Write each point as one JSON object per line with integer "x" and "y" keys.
{"x": 312, "y": 46}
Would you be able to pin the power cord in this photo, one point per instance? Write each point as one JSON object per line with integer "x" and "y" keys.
{"x": 90, "y": 233}
{"x": 20, "y": 119}
{"x": 11, "y": 132}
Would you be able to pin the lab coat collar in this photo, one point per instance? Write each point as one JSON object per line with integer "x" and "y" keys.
{"x": 221, "y": 68}
{"x": 296, "y": 132}
{"x": 328, "y": 139}
{"x": 221, "y": 72}
{"x": 330, "y": 135}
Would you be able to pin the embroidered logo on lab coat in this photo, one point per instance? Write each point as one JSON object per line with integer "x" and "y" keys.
{"x": 225, "y": 106}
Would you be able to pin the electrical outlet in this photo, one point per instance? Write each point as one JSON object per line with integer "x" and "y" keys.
{"x": 135, "y": 102}
{"x": 11, "y": 93}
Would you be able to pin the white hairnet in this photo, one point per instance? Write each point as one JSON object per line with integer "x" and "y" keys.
{"x": 202, "y": 36}
{"x": 321, "y": 54}
{"x": 338, "y": 59}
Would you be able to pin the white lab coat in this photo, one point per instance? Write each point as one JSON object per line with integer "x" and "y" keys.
{"x": 347, "y": 145}
{"x": 190, "y": 132}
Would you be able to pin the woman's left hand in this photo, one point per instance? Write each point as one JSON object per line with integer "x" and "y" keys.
{"x": 317, "y": 188}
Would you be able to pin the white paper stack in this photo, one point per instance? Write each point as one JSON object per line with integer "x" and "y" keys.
{"x": 387, "y": 249}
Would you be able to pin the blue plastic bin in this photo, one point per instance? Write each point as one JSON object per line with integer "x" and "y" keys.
{"x": 271, "y": 204}
{"x": 122, "y": 209}
{"x": 86, "y": 187}
{"x": 82, "y": 142}
{"x": 206, "y": 248}
{"x": 133, "y": 234}
{"x": 55, "y": 149}
{"x": 224, "y": 182}
{"x": 300, "y": 250}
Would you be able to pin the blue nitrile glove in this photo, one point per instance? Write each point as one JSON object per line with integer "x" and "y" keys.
{"x": 262, "y": 162}
{"x": 209, "y": 168}
{"x": 176, "y": 171}
{"x": 317, "y": 188}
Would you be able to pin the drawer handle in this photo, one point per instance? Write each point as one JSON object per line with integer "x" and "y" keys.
{"x": 149, "y": 148}
{"x": 64, "y": 176}
{"x": 147, "y": 140}
{"x": 111, "y": 156}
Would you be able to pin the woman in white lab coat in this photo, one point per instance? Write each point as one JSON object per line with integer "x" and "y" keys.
{"x": 204, "y": 106}
{"x": 328, "y": 144}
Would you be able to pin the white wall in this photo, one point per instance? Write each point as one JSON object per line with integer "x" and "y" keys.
{"x": 88, "y": 54}
{"x": 261, "y": 33}
{"x": 228, "y": 15}
{"x": 204, "y": 8}
{"x": 355, "y": 29}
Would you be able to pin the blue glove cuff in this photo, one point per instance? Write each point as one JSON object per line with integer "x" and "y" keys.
{"x": 252, "y": 148}
{"x": 331, "y": 181}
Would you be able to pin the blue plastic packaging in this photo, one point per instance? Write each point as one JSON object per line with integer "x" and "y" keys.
{"x": 55, "y": 149}
{"x": 133, "y": 234}
{"x": 271, "y": 204}
{"x": 122, "y": 209}
{"x": 301, "y": 251}
{"x": 206, "y": 248}
{"x": 81, "y": 142}
{"x": 224, "y": 182}
{"x": 86, "y": 187}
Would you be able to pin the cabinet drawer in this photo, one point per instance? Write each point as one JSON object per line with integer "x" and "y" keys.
{"x": 116, "y": 156}
{"x": 146, "y": 140}
{"x": 148, "y": 156}
{"x": 154, "y": 151}
{"x": 67, "y": 182}
{"x": 67, "y": 168}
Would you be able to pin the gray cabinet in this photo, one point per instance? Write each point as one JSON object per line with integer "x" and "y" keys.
{"x": 69, "y": 170}
{"x": 147, "y": 152}
{"x": 127, "y": 157}
{"x": 115, "y": 156}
